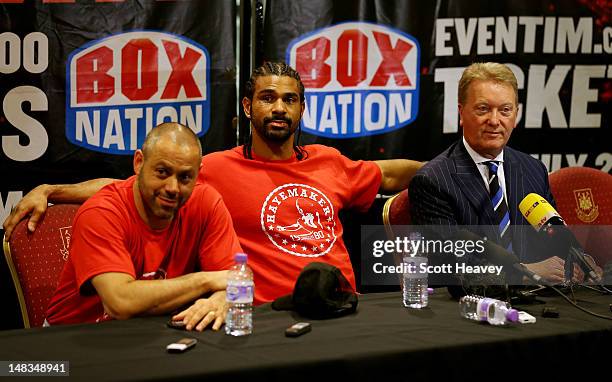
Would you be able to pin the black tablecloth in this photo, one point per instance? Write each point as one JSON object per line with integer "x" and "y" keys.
{"x": 382, "y": 340}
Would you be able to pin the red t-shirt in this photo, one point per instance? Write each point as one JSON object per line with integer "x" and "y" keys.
{"x": 286, "y": 212}
{"x": 108, "y": 235}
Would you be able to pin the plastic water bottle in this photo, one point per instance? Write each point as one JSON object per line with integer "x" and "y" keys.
{"x": 493, "y": 311}
{"x": 415, "y": 275}
{"x": 240, "y": 288}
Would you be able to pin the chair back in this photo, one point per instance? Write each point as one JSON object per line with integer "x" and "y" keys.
{"x": 36, "y": 259}
{"x": 584, "y": 200}
{"x": 396, "y": 212}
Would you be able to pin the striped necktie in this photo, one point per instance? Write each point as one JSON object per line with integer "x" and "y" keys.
{"x": 502, "y": 216}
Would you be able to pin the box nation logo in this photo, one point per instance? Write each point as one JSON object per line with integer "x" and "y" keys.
{"x": 122, "y": 86}
{"x": 360, "y": 78}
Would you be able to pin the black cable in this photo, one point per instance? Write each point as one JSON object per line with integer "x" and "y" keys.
{"x": 578, "y": 306}
{"x": 604, "y": 291}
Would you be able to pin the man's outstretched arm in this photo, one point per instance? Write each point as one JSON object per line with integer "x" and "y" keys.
{"x": 396, "y": 174}
{"x": 35, "y": 202}
{"x": 124, "y": 297}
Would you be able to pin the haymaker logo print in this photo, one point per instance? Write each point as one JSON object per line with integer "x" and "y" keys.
{"x": 360, "y": 78}
{"x": 121, "y": 86}
{"x": 299, "y": 220}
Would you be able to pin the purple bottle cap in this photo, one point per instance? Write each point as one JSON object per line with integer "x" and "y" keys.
{"x": 512, "y": 315}
{"x": 240, "y": 257}
{"x": 430, "y": 290}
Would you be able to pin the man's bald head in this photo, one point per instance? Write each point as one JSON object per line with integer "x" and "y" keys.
{"x": 167, "y": 167}
{"x": 171, "y": 132}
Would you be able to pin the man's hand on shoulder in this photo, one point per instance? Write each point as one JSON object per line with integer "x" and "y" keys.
{"x": 36, "y": 201}
{"x": 205, "y": 311}
{"x": 33, "y": 204}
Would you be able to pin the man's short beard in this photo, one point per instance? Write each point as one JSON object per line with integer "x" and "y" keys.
{"x": 277, "y": 136}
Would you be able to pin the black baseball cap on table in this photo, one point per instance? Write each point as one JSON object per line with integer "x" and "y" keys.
{"x": 320, "y": 291}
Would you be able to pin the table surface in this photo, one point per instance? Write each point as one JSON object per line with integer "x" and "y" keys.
{"x": 382, "y": 339}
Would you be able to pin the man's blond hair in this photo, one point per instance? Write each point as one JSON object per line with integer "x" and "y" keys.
{"x": 486, "y": 71}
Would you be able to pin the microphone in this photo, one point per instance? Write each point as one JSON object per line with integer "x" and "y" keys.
{"x": 498, "y": 255}
{"x": 545, "y": 219}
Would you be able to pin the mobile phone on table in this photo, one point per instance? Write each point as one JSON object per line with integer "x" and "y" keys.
{"x": 181, "y": 345}
{"x": 298, "y": 329}
{"x": 176, "y": 324}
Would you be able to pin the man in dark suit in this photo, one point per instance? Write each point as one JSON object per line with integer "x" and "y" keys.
{"x": 478, "y": 180}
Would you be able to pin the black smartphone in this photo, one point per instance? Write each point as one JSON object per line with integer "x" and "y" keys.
{"x": 298, "y": 329}
{"x": 176, "y": 324}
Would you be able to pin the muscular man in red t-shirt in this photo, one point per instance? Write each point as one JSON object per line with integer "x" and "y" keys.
{"x": 284, "y": 198}
{"x": 136, "y": 244}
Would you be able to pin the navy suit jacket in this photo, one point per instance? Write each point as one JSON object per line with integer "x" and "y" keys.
{"x": 450, "y": 191}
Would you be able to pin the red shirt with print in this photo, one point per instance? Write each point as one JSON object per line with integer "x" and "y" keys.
{"x": 285, "y": 212}
{"x": 108, "y": 235}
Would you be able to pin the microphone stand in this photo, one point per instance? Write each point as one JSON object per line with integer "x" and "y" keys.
{"x": 574, "y": 256}
{"x": 569, "y": 268}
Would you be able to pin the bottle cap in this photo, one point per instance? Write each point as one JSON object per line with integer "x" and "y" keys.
{"x": 240, "y": 257}
{"x": 512, "y": 315}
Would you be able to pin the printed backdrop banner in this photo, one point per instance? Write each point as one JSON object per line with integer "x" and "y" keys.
{"x": 381, "y": 76}
{"x": 82, "y": 82}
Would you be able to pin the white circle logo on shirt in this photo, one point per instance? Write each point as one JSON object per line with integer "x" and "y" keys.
{"x": 299, "y": 220}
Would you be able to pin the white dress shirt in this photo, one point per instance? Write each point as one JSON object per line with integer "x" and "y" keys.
{"x": 484, "y": 169}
